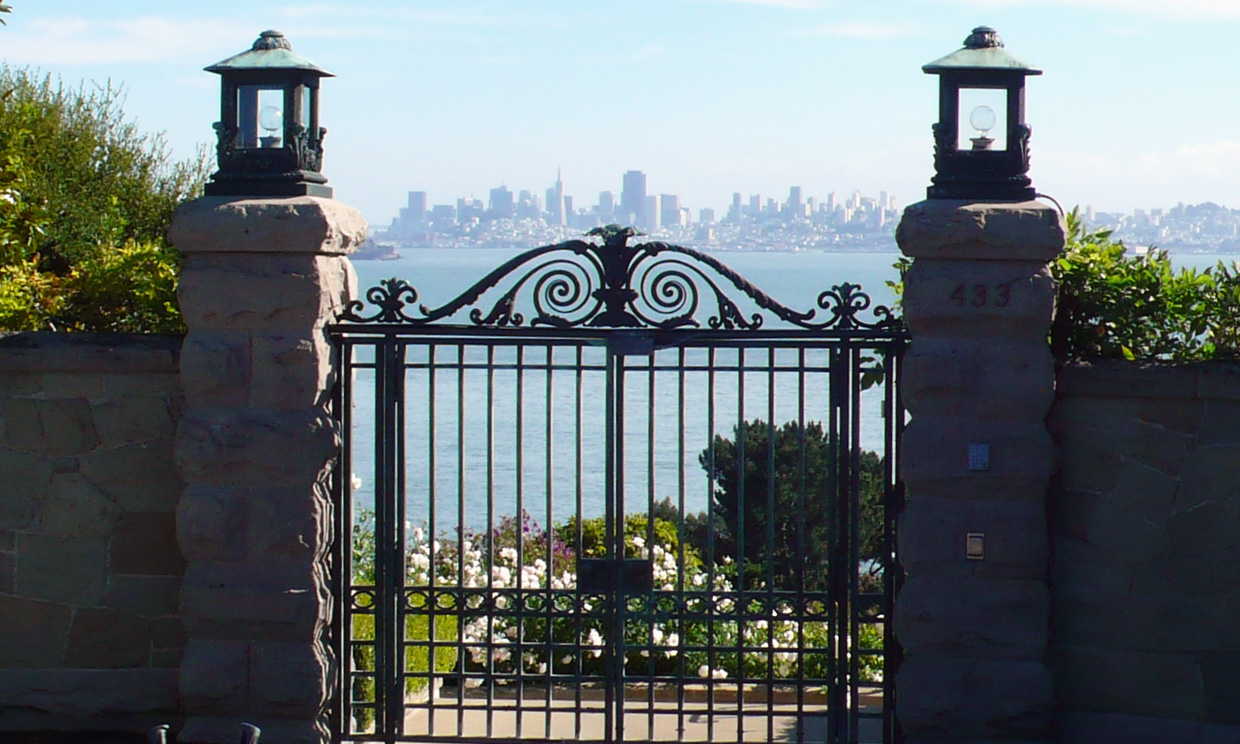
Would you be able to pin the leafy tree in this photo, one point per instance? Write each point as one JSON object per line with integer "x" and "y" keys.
{"x": 777, "y": 516}
{"x": 85, "y": 200}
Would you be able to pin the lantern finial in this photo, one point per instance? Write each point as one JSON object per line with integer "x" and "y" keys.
{"x": 268, "y": 139}
{"x": 269, "y": 40}
{"x": 983, "y": 37}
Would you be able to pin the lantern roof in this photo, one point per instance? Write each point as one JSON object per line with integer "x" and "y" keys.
{"x": 983, "y": 50}
{"x": 272, "y": 51}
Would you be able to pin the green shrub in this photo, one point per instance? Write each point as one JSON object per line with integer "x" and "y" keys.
{"x": 1120, "y": 306}
{"x": 85, "y": 200}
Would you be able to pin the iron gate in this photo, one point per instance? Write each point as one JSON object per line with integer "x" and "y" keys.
{"x": 616, "y": 506}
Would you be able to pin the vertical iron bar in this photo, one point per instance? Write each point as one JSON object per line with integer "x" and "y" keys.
{"x": 549, "y": 535}
{"x": 650, "y": 490}
{"x": 802, "y": 539}
{"x": 768, "y": 609}
{"x": 400, "y": 559}
{"x": 489, "y": 605}
{"x": 578, "y": 548}
{"x": 894, "y": 504}
{"x": 887, "y": 349}
{"x": 618, "y": 599}
{"x": 679, "y": 624}
{"x": 853, "y": 450}
{"x": 709, "y": 605}
{"x": 431, "y": 530}
{"x": 342, "y": 546}
{"x": 389, "y": 404}
{"x": 459, "y": 601}
{"x": 519, "y": 591}
{"x": 742, "y": 591}
{"x": 613, "y": 722}
{"x": 837, "y": 577}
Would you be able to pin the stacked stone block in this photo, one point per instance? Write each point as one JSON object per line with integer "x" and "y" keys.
{"x": 261, "y": 280}
{"x": 90, "y": 637}
{"x": 978, "y": 377}
{"x": 1145, "y": 566}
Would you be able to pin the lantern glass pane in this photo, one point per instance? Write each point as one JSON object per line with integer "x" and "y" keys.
{"x": 304, "y": 118}
{"x": 260, "y": 116}
{"x": 983, "y": 113}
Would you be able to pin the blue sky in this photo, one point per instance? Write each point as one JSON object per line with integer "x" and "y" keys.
{"x": 1138, "y": 106}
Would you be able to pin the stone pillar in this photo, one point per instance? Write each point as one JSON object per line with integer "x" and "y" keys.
{"x": 977, "y": 460}
{"x": 255, "y": 447}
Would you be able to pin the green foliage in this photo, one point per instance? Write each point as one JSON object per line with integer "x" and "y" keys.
{"x": 417, "y": 633}
{"x": 85, "y": 200}
{"x": 666, "y": 531}
{"x": 902, "y": 265}
{"x": 776, "y": 513}
{"x": 1120, "y": 306}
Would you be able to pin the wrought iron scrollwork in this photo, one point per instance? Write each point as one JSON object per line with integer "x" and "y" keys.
{"x": 582, "y": 284}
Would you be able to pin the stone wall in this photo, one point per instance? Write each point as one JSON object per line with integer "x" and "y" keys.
{"x": 90, "y": 570}
{"x": 1145, "y": 566}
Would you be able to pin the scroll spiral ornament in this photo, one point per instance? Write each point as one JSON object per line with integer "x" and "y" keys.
{"x": 580, "y": 284}
{"x": 670, "y": 292}
{"x": 561, "y": 292}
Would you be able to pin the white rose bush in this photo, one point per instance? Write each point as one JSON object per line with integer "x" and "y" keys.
{"x": 506, "y": 604}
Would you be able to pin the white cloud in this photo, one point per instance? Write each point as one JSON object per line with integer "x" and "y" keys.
{"x": 1211, "y": 160}
{"x": 798, "y": 4}
{"x": 1179, "y": 9}
{"x": 860, "y": 30}
{"x": 1191, "y": 173}
{"x": 75, "y": 40}
{"x": 389, "y": 15}
{"x": 53, "y": 40}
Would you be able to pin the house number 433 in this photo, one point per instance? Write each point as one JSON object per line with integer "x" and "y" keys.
{"x": 981, "y": 295}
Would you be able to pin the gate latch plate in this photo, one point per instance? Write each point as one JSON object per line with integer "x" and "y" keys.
{"x": 594, "y": 575}
{"x": 627, "y": 343}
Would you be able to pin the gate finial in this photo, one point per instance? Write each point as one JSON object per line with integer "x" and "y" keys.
{"x": 615, "y": 236}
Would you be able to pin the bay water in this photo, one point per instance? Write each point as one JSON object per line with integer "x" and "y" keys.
{"x": 529, "y": 436}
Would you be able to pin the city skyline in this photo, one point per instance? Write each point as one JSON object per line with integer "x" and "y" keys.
{"x": 707, "y": 97}
{"x": 1087, "y": 211}
{"x": 750, "y": 221}
{"x": 633, "y": 205}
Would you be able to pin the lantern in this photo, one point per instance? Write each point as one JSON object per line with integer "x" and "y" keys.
{"x": 974, "y": 159}
{"x": 269, "y": 142}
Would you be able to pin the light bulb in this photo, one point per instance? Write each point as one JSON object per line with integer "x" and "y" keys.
{"x": 270, "y": 118}
{"x": 982, "y": 119}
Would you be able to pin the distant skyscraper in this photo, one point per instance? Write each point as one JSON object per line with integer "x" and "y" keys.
{"x": 755, "y": 205}
{"x": 831, "y": 202}
{"x": 607, "y": 206}
{"x": 417, "y": 205}
{"x": 734, "y": 212}
{"x": 650, "y": 212}
{"x": 502, "y": 205}
{"x": 528, "y": 206}
{"x": 633, "y": 199}
{"x": 669, "y": 210}
{"x": 706, "y": 216}
{"x": 794, "y": 202}
{"x": 555, "y": 201}
{"x": 469, "y": 208}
